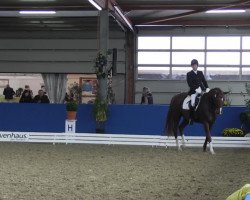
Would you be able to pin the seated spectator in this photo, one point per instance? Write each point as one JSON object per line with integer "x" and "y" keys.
{"x": 8, "y": 93}
{"x": 26, "y": 97}
{"x": 147, "y": 97}
{"x": 41, "y": 97}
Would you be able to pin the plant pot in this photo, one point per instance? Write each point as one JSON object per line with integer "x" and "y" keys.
{"x": 99, "y": 130}
{"x": 100, "y": 127}
{"x": 71, "y": 115}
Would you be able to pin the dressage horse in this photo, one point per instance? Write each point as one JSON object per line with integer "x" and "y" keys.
{"x": 209, "y": 107}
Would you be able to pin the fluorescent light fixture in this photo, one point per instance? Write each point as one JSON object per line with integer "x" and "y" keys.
{"x": 37, "y": 12}
{"x": 225, "y": 11}
{"x": 123, "y": 17}
{"x": 95, "y": 4}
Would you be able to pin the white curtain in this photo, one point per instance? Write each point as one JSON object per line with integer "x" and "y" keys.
{"x": 55, "y": 86}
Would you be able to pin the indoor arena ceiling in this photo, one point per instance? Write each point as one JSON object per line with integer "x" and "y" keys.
{"x": 82, "y": 15}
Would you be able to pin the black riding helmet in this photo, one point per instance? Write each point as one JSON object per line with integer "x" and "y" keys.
{"x": 194, "y": 62}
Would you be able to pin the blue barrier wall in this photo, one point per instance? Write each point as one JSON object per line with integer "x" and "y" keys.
{"x": 123, "y": 119}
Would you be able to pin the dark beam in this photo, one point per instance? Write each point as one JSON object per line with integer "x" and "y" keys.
{"x": 178, "y": 16}
{"x": 218, "y": 22}
{"x": 131, "y": 7}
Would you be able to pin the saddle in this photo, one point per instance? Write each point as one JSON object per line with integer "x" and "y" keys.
{"x": 187, "y": 102}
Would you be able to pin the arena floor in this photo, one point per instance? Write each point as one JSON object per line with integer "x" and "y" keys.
{"x": 46, "y": 171}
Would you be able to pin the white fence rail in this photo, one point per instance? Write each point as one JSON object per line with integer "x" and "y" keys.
{"x": 119, "y": 139}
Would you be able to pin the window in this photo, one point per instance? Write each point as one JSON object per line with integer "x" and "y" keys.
{"x": 153, "y": 57}
{"x": 186, "y": 57}
{"x": 154, "y": 73}
{"x": 188, "y": 43}
{"x": 245, "y": 42}
{"x": 246, "y": 58}
{"x": 223, "y": 42}
{"x": 154, "y": 43}
{"x": 223, "y": 58}
{"x": 222, "y": 73}
{"x": 220, "y": 57}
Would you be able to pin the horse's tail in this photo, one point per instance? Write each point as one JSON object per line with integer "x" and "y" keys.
{"x": 174, "y": 115}
{"x": 170, "y": 120}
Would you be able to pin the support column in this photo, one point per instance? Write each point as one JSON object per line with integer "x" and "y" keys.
{"x": 103, "y": 48}
{"x": 130, "y": 68}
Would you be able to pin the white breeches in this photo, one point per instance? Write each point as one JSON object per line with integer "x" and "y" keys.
{"x": 193, "y": 96}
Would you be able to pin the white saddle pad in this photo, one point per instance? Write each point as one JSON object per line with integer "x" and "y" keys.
{"x": 185, "y": 104}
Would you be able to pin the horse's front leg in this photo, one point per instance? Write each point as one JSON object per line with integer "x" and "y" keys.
{"x": 207, "y": 128}
{"x": 181, "y": 128}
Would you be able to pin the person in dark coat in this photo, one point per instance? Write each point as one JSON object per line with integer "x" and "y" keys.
{"x": 26, "y": 97}
{"x": 196, "y": 82}
{"x": 41, "y": 97}
{"x": 8, "y": 93}
{"x": 147, "y": 97}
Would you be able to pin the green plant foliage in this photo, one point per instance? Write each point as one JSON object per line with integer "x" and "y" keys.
{"x": 76, "y": 90}
{"x": 233, "y": 132}
{"x": 247, "y": 100}
{"x": 101, "y": 66}
{"x": 100, "y": 110}
{"x": 71, "y": 106}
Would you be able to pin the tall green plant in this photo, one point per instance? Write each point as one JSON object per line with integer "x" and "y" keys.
{"x": 247, "y": 100}
{"x": 100, "y": 110}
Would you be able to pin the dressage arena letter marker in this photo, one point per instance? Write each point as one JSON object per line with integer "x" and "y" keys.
{"x": 70, "y": 126}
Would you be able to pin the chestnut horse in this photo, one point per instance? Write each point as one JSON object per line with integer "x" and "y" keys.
{"x": 209, "y": 107}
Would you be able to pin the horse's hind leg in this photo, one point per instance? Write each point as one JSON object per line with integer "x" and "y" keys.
{"x": 176, "y": 136}
{"x": 207, "y": 128}
{"x": 183, "y": 124}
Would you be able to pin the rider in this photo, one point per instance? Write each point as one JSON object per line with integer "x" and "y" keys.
{"x": 196, "y": 82}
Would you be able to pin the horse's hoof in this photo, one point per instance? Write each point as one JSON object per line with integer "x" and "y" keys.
{"x": 179, "y": 149}
{"x": 212, "y": 152}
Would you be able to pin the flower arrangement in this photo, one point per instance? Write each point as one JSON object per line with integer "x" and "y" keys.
{"x": 101, "y": 68}
{"x": 233, "y": 132}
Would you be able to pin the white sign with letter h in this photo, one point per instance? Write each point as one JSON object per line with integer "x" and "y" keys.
{"x": 70, "y": 126}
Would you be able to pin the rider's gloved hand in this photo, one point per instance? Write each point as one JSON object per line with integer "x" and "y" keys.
{"x": 198, "y": 90}
{"x": 207, "y": 90}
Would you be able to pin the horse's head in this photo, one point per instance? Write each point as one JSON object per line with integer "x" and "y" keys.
{"x": 217, "y": 98}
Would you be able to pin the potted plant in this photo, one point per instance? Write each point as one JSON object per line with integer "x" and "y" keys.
{"x": 100, "y": 107}
{"x": 100, "y": 111}
{"x": 71, "y": 108}
{"x": 233, "y": 132}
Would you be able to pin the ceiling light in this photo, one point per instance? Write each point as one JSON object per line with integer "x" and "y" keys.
{"x": 95, "y": 4}
{"x": 123, "y": 17}
{"x": 225, "y": 11}
{"x": 37, "y": 12}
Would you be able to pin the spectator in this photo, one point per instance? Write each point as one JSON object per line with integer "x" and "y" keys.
{"x": 147, "y": 97}
{"x": 8, "y": 93}
{"x": 26, "y": 97}
{"x": 41, "y": 97}
{"x": 43, "y": 89}
{"x": 27, "y": 89}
